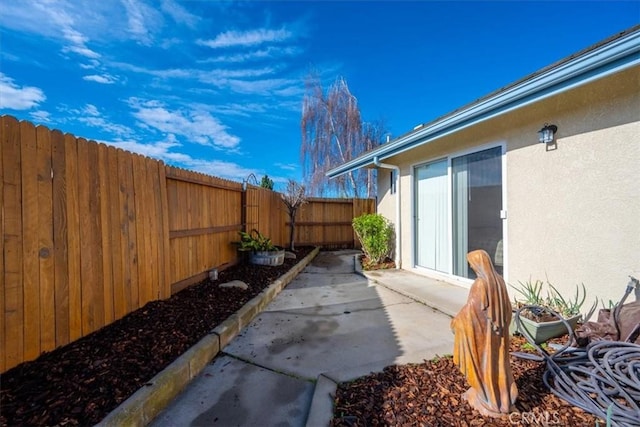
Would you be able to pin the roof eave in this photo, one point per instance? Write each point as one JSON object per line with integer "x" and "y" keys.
{"x": 619, "y": 54}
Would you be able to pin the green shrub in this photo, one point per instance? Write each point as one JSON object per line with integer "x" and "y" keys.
{"x": 375, "y": 233}
{"x": 254, "y": 241}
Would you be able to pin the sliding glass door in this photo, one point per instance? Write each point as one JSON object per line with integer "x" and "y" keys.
{"x": 476, "y": 204}
{"x": 432, "y": 207}
{"x": 457, "y": 210}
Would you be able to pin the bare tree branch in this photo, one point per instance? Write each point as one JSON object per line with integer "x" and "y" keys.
{"x": 293, "y": 197}
{"x": 332, "y": 134}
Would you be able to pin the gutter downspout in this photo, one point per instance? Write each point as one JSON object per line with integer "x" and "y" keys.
{"x": 377, "y": 163}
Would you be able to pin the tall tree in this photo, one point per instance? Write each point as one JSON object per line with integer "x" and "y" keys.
{"x": 373, "y": 134}
{"x": 266, "y": 182}
{"x": 333, "y": 133}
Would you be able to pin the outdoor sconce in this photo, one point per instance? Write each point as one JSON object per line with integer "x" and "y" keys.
{"x": 546, "y": 134}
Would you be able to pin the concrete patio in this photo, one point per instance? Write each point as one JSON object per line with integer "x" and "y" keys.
{"x": 327, "y": 326}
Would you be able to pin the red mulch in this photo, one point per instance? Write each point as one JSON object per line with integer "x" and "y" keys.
{"x": 80, "y": 383}
{"x": 430, "y": 394}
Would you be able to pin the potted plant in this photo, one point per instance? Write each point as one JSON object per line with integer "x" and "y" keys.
{"x": 261, "y": 250}
{"x": 547, "y": 317}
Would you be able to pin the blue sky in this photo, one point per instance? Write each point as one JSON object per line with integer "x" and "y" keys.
{"x": 217, "y": 86}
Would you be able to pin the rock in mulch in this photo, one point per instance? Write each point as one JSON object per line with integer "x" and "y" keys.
{"x": 235, "y": 284}
{"x": 289, "y": 255}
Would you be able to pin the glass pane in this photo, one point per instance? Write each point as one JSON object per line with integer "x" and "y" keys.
{"x": 477, "y": 201}
{"x": 432, "y": 240}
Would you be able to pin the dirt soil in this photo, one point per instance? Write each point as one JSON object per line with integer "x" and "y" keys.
{"x": 80, "y": 383}
{"x": 430, "y": 394}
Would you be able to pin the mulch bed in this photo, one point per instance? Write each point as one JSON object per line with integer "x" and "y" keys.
{"x": 430, "y": 394}
{"x": 80, "y": 383}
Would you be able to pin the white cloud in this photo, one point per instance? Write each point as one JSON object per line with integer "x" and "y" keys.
{"x": 51, "y": 18}
{"x": 40, "y": 116}
{"x": 158, "y": 150}
{"x": 197, "y": 125}
{"x": 246, "y": 38}
{"x": 217, "y": 76}
{"x": 91, "y": 64}
{"x": 142, "y": 21}
{"x": 78, "y": 44}
{"x": 91, "y": 110}
{"x": 167, "y": 44}
{"x": 268, "y": 53}
{"x": 243, "y": 110}
{"x": 106, "y": 126}
{"x": 163, "y": 150}
{"x": 222, "y": 169}
{"x": 222, "y": 78}
{"x": 104, "y": 79}
{"x": 265, "y": 86}
{"x": 29, "y": 16}
{"x": 14, "y": 97}
{"x": 91, "y": 116}
{"x": 165, "y": 74}
{"x": 179, "y": 13}
{"x": 287, "y": 166}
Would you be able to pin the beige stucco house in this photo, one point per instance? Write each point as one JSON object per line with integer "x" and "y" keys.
{"x": 567, "y": 210}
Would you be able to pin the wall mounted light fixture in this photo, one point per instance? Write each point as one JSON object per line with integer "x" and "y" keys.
{"x": 547, "y": 133}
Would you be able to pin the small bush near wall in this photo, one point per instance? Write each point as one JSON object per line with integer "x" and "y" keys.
{"x": 375, "y": 233}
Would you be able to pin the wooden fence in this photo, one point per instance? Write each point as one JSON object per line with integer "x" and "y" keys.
{"x": 327, "y": 222}
{"x": 91, "y": 233}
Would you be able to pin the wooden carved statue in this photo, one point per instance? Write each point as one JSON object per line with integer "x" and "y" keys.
{"x": 481, "y": 343}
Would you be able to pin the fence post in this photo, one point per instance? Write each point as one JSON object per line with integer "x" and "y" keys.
{"x": 243, "y": 207}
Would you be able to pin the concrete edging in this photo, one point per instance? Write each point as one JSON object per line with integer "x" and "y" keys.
{"x": 147, "y": 402}
{"x": 321, "y": 410}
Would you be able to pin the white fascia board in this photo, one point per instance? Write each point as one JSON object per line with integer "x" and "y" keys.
{"x": 611, "y": 58}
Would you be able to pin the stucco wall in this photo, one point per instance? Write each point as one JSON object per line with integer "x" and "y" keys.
{"x": 574, "y": 212}
{"x": 573, "y": 208}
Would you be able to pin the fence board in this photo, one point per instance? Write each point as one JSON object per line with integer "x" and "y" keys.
{"x": 164, "y": 259}
{"x": 45, "y": 255}
{"x": 123, "y": 291}
{"x": 73, "y": 238}
{"x": 87, "y": 202}
{"x": 13, "y": 290}
{"x": 104, "y": 206}
{"x": 30, "y": 267}
{"x": 115, "y": 234}
{"x": 3, "y": 131}
{"x": 60, "y": 248}
{"x": 153, "y": 215}
{"x": 140, "y": 226}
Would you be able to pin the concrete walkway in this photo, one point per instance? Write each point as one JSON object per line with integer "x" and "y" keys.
{"x": 328, "y": 326}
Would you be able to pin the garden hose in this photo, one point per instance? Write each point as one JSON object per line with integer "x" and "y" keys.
{"x": 602, "y": 379}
